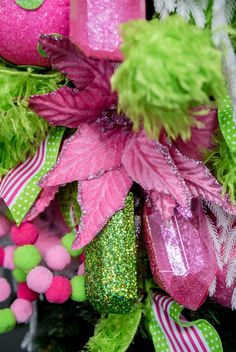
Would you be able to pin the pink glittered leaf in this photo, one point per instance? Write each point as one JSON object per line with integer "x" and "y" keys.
{"x": 83, "y": 71}
{"x": 149, "y": 164}
{"x": 43, "y": 201}
{"x": 199, "y": 179}
{"x": 69, "y": 107}
{"x": 99, "y": 200}
{"x": 164, "y": 204}
{"x": 86, "y": 155}
{"x": 201, "y": 138}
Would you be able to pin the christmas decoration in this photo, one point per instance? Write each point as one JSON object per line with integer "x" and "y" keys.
{"x": 117, "y": 175}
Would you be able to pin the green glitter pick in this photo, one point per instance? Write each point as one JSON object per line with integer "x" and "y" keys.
{"x": 30, "y": 4}
{"x": 111, "y": 264}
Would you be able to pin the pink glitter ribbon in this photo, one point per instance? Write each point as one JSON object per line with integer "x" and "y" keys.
{"x": 94, "y": 25}
{"x": 181, "y": 255}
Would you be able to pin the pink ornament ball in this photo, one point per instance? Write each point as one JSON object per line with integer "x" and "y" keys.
{"x": 8, "y": 262}
{"x": 20, "y": 29}
{"x": 5, "y": 289}
{"x": 22, "y": 309}
{"x": 59, "y": 291}
{"x": 39, "y": 279}
{"x": 57, "y": 257}
{"x": 23, "y": 291}
{"x": 26, "y": 233}
{"x": 2, "y": 255}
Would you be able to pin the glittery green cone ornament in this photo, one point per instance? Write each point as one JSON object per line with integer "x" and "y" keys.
{"x": 111, "y": 264}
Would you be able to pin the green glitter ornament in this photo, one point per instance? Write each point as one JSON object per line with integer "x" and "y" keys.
{"x": 7, "y": 320}
{"x": 111, "y": 264}
{"x": 27, "y": 257}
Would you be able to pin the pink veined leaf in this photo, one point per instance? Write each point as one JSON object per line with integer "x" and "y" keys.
{"x": 163, "y": 203}
{"x": 43, "y": 201}
{"x": 81, "y": 70}
{"x": 199, "y": 179}
{"x": 69, "y": 107}
{"x": 86, "y": 155}
{"x": 201, "y": 138}
{"x": 99, "y": 200}
{"x": 149, "y": 164}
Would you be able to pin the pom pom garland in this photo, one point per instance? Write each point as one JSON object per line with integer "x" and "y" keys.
{"x": 57, "y": 257}
{"x": 26, "y": 233}
{"x": 7, "y": 320}
{"x": 67, "y": 242}
{"x": 39, "y": 279}
{"x": 27, "y": 257}
{"x": 23, "y": 291}
{"x": 5, "y": 289}
{"x": 78, "y": 289}
{"x": 22, "y": 309}
{"x": 2, "y": 255}
{"x": 19, "y": 275}
{"x": 59, "y": 291}
{"x": 8, "y": 261}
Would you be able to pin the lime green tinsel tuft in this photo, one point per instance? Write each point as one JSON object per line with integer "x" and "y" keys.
{"x": 21, "y": 130}
{"x": 115, "y": 332}
{"x": 170, "y": 66}
{"x": 222, "y": 163}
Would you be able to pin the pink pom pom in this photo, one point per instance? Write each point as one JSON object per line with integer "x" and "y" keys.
{"x": 57, "y": 257}
{"x": 2, "y": 255}
{"x": 8, "y": 261}
{"x": 81, "y": 270}
{"x": 22, "y": 309}
{"x": 39, "y": 279}
{"x": 5, "y": 289}
{"x": 5, "y": 226}
{"x": 26, "y": 233}
{"x": 23, "y": 291}
{"x": 59, "y": 291}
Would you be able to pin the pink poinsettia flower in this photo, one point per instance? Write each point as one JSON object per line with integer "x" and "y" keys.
{"x": 105, "y": 156}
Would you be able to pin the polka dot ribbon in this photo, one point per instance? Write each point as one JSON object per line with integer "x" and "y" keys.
{"x": 30, "y": 4}
{"x": 227, "y": 124}
{"x": 171, "y": 332}
{"x": 19, "y": 188}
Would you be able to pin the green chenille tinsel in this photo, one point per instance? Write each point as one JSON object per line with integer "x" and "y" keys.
{"x": 115, "y": 332}
{"x": 21, "y": 130}
{"x": 170, "y": 66}
{"x": 222, "y": 164}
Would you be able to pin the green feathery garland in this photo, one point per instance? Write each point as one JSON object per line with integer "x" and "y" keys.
{"x": 170, "y": 66}
{"x": 21, "y": 131}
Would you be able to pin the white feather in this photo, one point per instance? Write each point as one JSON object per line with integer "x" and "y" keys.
{"x": 231, "y": 273}
{"x": 229, "y": 245}
{"x": 233, "y": 299}
{"x": 212, "y": 288}
{"x": 230, "y": 8}
{"x": 215, "y": 241}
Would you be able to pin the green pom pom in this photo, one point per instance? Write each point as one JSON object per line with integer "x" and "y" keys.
{"x": 27, "y": 257}
{"x": 21, "y": 130}
{"x": 19, "y": 275}
{"x": 170, "y": 67}
{"x": 7, "y": 320}
{"x": 78, "y": 289}
{"x": 67, "y": 242}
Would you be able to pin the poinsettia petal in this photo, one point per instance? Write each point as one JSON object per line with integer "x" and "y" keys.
{"x": 201, "y": 138}
{"x": 164, "y": 204}
{"x": 149, "y": 164}
{"x": 43, "y": 201}
{"x": 99, "y": 200}
{"x": 69, "y": 107}
{"x": 199, "y": 179}
{"x": 81, "y": 70}
{"x": 86, "y": 155}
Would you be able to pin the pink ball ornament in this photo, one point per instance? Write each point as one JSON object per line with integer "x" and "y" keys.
{"x": 2, "y": 255}
{"x": 21, "y": 27}
{"x": 8, "y": 262}
{"x": 26, "y": 233}
{"x": 57, "y": 257}
{"x": 5, "y": 289}
{"x": 39, "y": 279}
{"x": 59, "y": 291}
{"x": 22, "y": 309}
{"x": 23, "y": 291}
